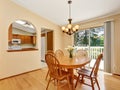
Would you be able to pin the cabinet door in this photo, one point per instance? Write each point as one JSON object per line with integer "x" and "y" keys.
{"x": 25, "y": 40}
{"x": 28, "y": 39}
{"x": 22, "y": 39}
{"x": 34, "y": 40}
{"x": 15, "y": 36}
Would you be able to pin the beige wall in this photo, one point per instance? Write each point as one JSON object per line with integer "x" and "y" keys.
{"x": 12, "y": 63}
{"x": 68, "y": 41}
{"x": 98, "y": 22}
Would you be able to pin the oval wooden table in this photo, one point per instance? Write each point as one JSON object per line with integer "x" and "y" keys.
{"x": 71, "y": 63}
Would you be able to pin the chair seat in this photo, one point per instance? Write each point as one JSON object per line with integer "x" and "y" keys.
{"x": 85, "y": 72}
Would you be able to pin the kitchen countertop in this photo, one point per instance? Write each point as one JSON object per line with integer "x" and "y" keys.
{"x": 23, "y": 49}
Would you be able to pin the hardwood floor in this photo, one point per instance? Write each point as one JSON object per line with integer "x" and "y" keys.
{"x": 36, "y": 81}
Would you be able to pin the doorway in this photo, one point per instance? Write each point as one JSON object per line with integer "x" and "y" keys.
{"x": 46, "y": 43}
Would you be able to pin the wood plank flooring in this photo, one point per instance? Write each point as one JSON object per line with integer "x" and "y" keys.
{"x": 36, "y": 81}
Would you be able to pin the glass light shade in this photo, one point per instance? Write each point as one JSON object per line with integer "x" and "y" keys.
{"x": 77, "y": 26}
{"x": 63, "y": 28}
{"x": 69, "y": 26}
{"x": 74, "y": 29}
{"x": 66, "y": 30}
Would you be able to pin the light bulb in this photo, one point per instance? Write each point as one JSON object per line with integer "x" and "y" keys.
{"x": 74, "y": 29}
{"x": 77, "y": 26}
{"x": 63, "y": 28}
{"x": 69, "y": 26}
{"x": 66, "y": 30}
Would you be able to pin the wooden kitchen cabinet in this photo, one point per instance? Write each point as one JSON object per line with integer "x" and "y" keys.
{"x": 10, "y": 34}
{"x": 25, "y": 39}
{"x": 34, "y": 40}
{"x": 28, "y": 39}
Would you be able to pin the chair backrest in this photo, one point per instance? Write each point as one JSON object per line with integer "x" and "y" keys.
{"x": 53, "y": 64}
{"x": 81, "y": 52}
{"x": 96, "y": 65}
{"x": 59, "y": 53}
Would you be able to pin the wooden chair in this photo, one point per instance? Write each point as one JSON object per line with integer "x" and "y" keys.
{"x": 90, "y": 74}
{"x": 50, "y": 52}
{"x": 81, "y": 52}
{"x": 55, "y": 71}
{"x": 59, "y": 53}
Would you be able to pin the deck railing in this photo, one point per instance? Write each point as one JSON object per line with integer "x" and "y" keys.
{"x": 93, "y": 52}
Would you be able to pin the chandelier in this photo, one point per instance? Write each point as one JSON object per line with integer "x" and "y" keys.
{"x": 70, "y": 29}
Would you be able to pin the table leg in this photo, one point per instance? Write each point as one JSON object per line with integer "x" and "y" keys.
{"x": 71, "y": 78}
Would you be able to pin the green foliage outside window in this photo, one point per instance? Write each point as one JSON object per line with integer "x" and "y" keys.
{"x": 96, "y": 36}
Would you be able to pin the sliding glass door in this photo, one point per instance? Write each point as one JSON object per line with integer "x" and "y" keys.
{"x": 91, "y": 40}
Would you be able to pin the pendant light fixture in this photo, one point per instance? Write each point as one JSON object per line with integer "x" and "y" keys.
{"x": 70, "y": 29}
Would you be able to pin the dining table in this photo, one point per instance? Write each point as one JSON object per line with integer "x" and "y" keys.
{"x": 71, "y": 64}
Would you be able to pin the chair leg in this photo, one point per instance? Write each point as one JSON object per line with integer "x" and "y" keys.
{"x": 47, "y": 75}
{"x": 48, "y": 83}
{"x": 68, "y": 83}
{"x": 55, "y": 81}
{"x": 97, "y": 83}
{"x": 58, "y": 83}
{"x": 82, "y": 78}
{"x": 77, "y": 80}
{"x": 92, "y": 84}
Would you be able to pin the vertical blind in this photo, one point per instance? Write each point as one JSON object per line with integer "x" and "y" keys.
{"x": 109, "y": 28}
